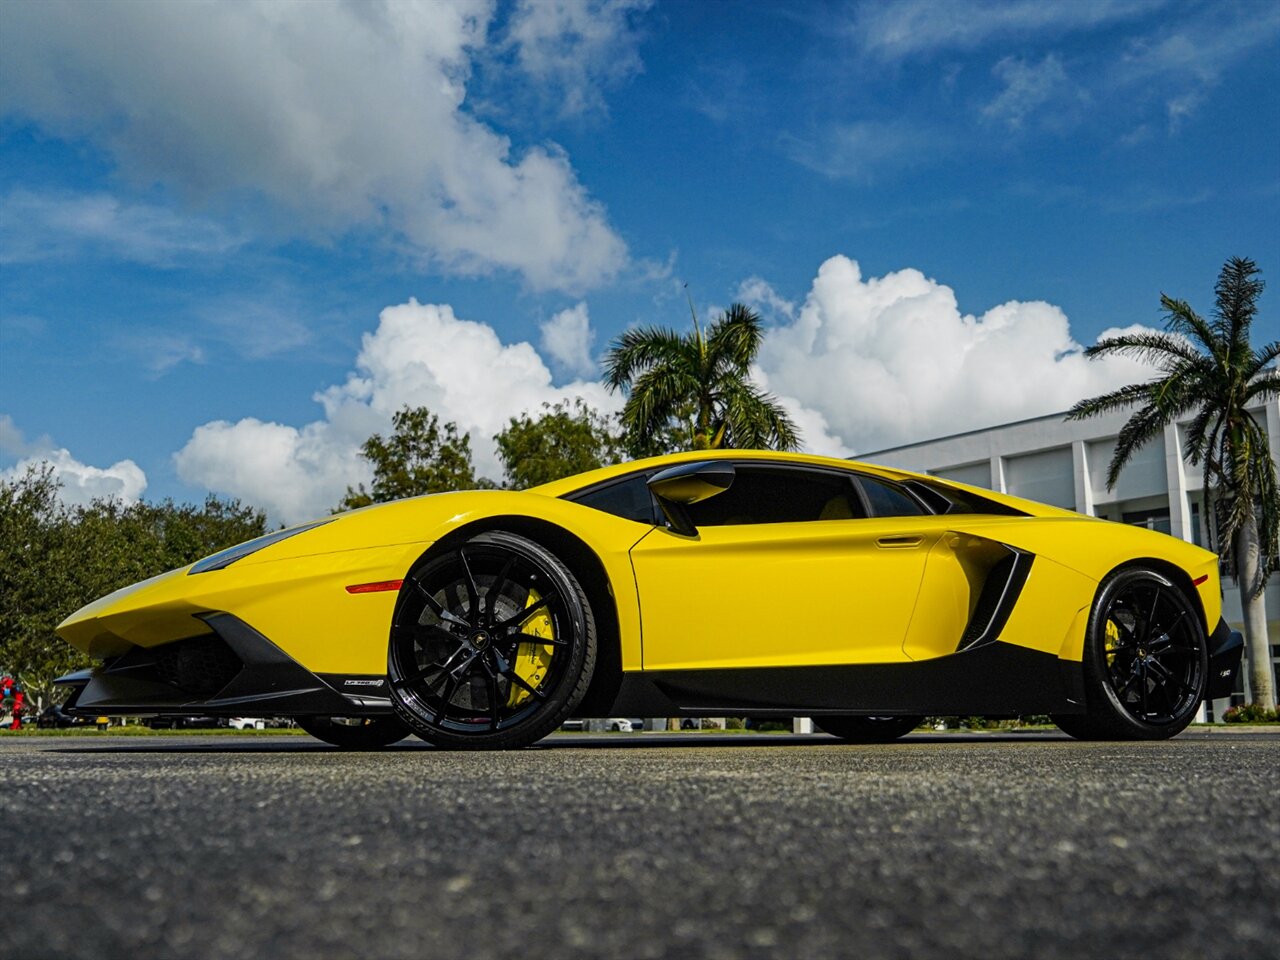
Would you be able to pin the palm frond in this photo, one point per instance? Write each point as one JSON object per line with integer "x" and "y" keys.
{"x": 734, "y": 339}
{"x": 1118, "y": 399}
{"x": 657, "y": 397}
{"x": 1250, "y": 471}
{"x": 1179, "y": 318}
{"x": 1161, "y": 350}
{"x": 1236, "y": 299}
{"x": 1262, "y": 359}
{"x": 756, "y": 420}
{"x": 638, "y": 350}
{"x": 1263, "y": 388}
{"x": 1196, "y": 433}
{"x": 1140, "y": 429}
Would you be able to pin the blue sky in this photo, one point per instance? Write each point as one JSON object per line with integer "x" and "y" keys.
{"x": 205, "y": 211}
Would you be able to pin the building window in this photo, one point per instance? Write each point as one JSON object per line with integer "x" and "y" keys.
{"x": 1157, "y": 520}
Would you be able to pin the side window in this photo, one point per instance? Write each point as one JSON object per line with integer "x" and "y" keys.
{"x": 888, "y": 499}
{"x": 627, "y": 498}
{"x": 941, "y": 499}
{"x": 763, "y": 495}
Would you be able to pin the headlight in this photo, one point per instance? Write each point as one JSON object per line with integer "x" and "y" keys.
{"x": 224, "y": 558}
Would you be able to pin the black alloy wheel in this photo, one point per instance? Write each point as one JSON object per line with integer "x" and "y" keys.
{"x": 868, "y": 729}
{"x": 1145, "y": 663}
{"x": 493, "y": 644}
{"x": 355, "y": 733}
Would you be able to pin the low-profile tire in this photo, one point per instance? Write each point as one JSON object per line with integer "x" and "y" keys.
{"x": 1074, "y": 725}
{"x": 493, "y": 644}
{"x": 1146, "y": 660}
{"x": 867, "y": 729}
{"x": 355, "y": 733}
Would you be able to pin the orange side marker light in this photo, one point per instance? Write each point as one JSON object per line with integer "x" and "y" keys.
{"x": 379, "y": 587}
{"x": 1195, "y": 583}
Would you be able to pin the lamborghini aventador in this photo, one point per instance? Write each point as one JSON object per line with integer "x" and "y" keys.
{"x": 726, "y": 583}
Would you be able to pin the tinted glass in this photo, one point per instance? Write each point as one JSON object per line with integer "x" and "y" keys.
{"x": 627, "y": 498}
{"x": 888, "y": 499}
{"x": 950, "y": 500}
{"x": 778, "y": 496}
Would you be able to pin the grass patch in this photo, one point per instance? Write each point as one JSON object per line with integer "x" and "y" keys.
{"x": 140, "y": 731}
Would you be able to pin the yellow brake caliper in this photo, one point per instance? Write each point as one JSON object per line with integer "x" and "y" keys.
{"x": 532, "y": 659}
{"x": 1113, "y": 640}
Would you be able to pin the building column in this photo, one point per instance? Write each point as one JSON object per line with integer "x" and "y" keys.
{"x": 1273, "y": 428}
{"x": 1080, "y": 472}
{"x": 997, "y": 475}
{"x": 801, "y": 725}
{"x": 1176, "y": 477}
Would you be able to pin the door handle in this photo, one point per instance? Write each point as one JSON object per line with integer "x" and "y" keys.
{"x": 903, "y": 541}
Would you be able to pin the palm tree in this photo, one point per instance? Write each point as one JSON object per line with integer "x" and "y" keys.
{"x": 698, "y": 384}
{"x": 1210, "y": 371}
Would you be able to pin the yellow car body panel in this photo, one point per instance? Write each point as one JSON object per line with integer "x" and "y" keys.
{"x": 295, "y": 591}
{"x": 301, "y": 603}
{"x": 795, "y": 593}
{"x": 841, "y": 593}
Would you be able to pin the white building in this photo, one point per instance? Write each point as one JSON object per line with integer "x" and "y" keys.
{"x": 1064, "y": 462}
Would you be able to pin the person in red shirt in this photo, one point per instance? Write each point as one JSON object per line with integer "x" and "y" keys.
{"x": 10, "y": 688}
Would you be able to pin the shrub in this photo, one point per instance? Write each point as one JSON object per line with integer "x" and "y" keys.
{"x": 1250, "y": 713}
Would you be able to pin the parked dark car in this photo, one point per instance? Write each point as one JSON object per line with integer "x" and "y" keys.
{"x": 184, "y": 723}
{"x": 53, "y": 717}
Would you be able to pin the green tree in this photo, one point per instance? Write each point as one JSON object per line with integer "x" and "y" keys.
{"x": 1210, "y": 371}
{"x": 54, "y": 559}
{"x": 419, "y": 457}
{"x": 698, "y": 385}
{"x": 565, "y": 439}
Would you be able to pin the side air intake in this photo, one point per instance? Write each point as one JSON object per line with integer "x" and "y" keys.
{"x": 996, "y": 601}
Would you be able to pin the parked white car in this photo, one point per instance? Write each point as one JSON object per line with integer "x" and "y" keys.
{"x": 247, "y": 723}
{"x": 618, "y": 724}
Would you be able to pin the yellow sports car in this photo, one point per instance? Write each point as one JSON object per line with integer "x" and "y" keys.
{"x": 726, "y": 583}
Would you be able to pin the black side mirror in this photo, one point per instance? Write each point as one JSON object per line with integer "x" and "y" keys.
{"x": 689, "y": 483}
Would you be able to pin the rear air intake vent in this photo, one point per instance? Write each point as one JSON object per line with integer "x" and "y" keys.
{"x": 997, "y": 599}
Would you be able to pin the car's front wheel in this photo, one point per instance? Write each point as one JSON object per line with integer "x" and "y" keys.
{"x": 1145, "y": 661}
{"x": 867, "y": 729}
{"x": 493, "y": 644}
{"x": 355, "y": 733}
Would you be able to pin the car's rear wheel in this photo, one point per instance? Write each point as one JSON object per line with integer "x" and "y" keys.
{"x": 867, "y": 729}
{"x": 492, "y": 645}
{"x": 1146, "y": 661}
{"x": 355, "y": 733}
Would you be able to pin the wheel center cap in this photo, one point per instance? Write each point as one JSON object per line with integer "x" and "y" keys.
{"x": 480, "y": 639}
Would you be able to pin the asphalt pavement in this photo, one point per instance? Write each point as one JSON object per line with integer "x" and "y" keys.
{"x": 642, "y": 845}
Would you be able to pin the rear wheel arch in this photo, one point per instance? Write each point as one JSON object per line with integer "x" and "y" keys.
{"x": 583, "y": 563}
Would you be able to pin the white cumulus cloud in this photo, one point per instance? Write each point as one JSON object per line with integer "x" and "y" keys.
{"x": 342, "y": 115}
{"x": 891, "y": 360}
{"x": 862, "y": 363}
{"x": 419, "y": 355}
{"x": 567, "y": 339}
{"x": 81, "y": 483}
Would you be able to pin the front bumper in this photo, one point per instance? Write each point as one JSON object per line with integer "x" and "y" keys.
{"x": 229, "y": 671}
{"x": 1226, "y": 647}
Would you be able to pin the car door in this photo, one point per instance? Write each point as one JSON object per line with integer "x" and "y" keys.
{"x": 790, "y": 566}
